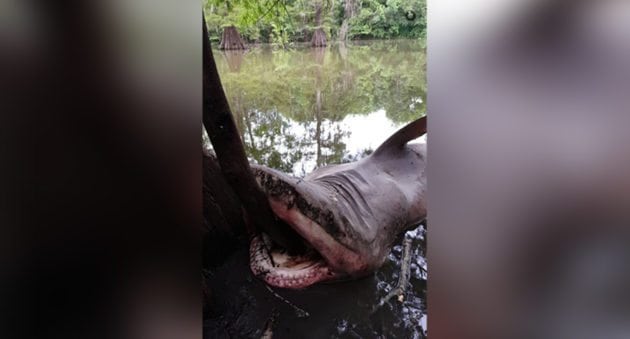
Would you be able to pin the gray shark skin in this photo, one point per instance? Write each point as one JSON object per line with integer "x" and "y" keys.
{"x": 348, "y": 215}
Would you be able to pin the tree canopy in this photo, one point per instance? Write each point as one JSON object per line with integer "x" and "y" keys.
{"x": 287, "y": 21}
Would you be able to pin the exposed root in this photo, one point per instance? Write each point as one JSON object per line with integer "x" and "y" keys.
{"x": 403, "y": 280}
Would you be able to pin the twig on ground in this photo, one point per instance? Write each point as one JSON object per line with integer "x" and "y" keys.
{"x": 403, "y": 280}
{"x": 298, "y": 311}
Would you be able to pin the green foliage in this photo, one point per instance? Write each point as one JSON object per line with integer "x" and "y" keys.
{"x": 283, "y": 22}
{"x": 385, "y": 19}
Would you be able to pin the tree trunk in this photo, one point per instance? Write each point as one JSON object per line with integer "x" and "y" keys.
{"x": 231, "y": 39}
{"x": 348, "y": 13}
{"x": 343, "y": 30}
{"x": 226, "y": 140}
{"x": 222, "y": 214}
{"x": 319, "y": 36}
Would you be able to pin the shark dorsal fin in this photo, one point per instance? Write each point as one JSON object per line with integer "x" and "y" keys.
{"x": 398, "y": 140}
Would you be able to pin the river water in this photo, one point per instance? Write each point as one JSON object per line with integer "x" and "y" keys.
{"x": 299, "y": 109}
{"x": 307, "y": 107}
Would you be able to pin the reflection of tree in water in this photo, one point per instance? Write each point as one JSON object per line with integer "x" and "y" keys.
{"x": 327, "y": 137}
{"x": 274, "y": 141}
{"x": 333, "y": 140}
{"x": 357, "y": 156}
{"x": 269, "y": 140}
{"x": 234, "y": 59}
{"x": 289, "y": 104}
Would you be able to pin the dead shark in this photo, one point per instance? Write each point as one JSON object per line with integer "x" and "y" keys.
{"x": 348, "y": 215}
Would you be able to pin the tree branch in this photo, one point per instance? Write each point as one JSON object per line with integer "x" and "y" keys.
{"x": 227, "y": 143}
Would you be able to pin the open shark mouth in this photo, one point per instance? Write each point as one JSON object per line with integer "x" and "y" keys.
{"x": 322, "y": 258}
{"x": 278, "y": 268}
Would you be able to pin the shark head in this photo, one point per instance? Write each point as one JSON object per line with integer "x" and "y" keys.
{"x": 347, "y": 216}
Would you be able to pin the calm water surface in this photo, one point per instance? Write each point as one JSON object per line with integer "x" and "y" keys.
{"x": 306, "y": 107}
{"x": 303, "y": 108}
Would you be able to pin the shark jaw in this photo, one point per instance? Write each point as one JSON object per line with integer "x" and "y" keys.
{"x": 324, "y": 258}
{"x": 279, "y": 269}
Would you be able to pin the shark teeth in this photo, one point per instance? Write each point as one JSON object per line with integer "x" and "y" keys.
{"x": 298, "y": 276}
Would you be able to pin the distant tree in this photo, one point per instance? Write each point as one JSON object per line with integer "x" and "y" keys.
{"x": 231, "y": 39}
{"x": 257, "y": 20}
{"x": 349, "y": 11}
{"x": 319, "y": 36}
